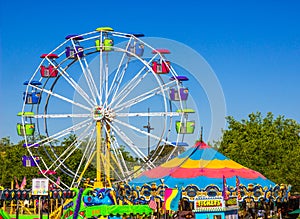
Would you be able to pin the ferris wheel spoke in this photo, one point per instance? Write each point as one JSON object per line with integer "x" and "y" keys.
{"x": 90, "y": 156}
{"x": 49, "y": 139}
{"x": 129, "y": 88}
{"x": 46, "y": 169}
{"x": 88, "y": 76}
{"x": 56, "y": 116}
{"x": 143, "y": 132}
{"x": 142, "y": 97}
{"x": 65, "y": 132}
{"x": 132, "y": 146}
{"x": 74, "y": 84}
{"x": 86, "y": 154}
{"x": 151, "y": 114}
{"x": 118, "y": 77}
{"x": 117, "y": 156}
{"x": 71, "y": 149}
{"x": 90, "y": 81}
{"x": 59, "y": 163}
{"x": 131, "y": 84}
{"x": 101, "y": 69}
{"x": 63, "y": 98}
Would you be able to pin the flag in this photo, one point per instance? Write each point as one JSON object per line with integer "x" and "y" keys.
{"x": 17, "y": 184}
{"x": 238, "y": 191}
{"x": 23, "y": 184}
{"x": 152, "y": 203}
{"x": 171, "y": 199}
{"x": 224, "y": 192}
{"x": 58, "y": 181}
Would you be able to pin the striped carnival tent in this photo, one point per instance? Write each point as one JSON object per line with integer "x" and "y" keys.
{"x": 202, "y": 166}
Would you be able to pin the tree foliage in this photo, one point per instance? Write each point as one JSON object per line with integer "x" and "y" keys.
{"x": 11, "y": 161}
{"x": 268, "y": 145}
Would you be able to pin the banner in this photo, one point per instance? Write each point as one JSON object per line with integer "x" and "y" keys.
{"x": 171, "y": 199}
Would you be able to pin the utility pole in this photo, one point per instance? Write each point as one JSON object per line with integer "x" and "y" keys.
{"x": 149, "y": 128}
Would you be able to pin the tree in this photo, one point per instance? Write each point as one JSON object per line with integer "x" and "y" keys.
{"x": 268, "y": 145}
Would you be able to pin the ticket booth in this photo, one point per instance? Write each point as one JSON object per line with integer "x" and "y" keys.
{"x": 215, "y": 208}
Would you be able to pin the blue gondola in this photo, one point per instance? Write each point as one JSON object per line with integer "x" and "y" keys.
{"x": 33, "y": 96}
{"x": 136, "y": 47}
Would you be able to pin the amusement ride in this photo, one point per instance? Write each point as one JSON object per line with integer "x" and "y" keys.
{"x": 93, "y": 94}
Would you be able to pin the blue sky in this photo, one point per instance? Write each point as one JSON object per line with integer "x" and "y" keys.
{"x": 252, "y": 46}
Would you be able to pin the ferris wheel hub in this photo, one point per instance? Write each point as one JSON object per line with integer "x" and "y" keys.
{"x": 101, "y": 113}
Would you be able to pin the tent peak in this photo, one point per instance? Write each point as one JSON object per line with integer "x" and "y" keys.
{"x": 201, "y": 145}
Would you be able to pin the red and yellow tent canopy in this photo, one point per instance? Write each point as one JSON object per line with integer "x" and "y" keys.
{"x": 201, "y": 165}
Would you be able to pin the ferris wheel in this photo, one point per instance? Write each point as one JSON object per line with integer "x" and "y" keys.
{"x": 104, "y": 100}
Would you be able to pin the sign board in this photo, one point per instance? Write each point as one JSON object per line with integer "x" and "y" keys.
{"x": 209, "y": 203}
{"x": 40, "y": 186}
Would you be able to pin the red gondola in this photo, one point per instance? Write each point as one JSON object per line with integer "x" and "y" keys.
{"x": 161, "y": 66}
{"x": 49, "y": 71}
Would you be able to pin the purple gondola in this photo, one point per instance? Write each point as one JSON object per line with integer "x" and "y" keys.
{"x": 72, "y": 52}
{"x": 29, "y": 161}
{"x": 179, "y": 94}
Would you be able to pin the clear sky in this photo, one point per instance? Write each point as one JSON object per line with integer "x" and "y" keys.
{"x": 252, "y": 46}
